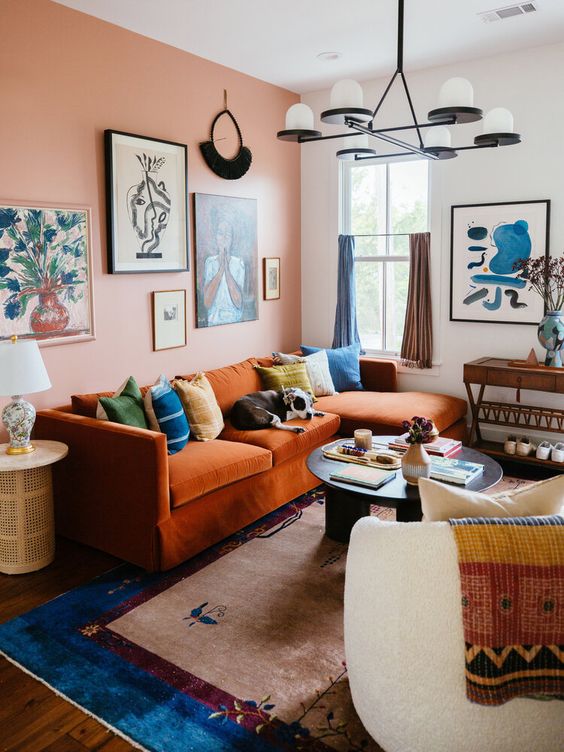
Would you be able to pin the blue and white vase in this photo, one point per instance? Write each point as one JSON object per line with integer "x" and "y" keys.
{"x": 551, "y": 337}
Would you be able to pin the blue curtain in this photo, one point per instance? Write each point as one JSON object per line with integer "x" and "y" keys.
{"x": 346, "y": 330}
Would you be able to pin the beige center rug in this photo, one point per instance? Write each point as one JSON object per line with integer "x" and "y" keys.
{"x": 241, "y": 648}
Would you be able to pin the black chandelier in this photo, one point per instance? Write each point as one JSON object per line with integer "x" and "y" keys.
{"x": 456, "y": 100}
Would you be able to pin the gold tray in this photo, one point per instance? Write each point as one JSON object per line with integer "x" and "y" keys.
{"x": 331, "y": 453}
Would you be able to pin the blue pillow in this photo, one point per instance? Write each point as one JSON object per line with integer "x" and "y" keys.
{"x": 344, "y": 366}
{"x": 169, "y": 414}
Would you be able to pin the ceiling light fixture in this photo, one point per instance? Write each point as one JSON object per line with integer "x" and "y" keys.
{"x": 456, "y": 106}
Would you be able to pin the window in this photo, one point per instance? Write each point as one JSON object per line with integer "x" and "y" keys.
{"x": 381, "y": 204}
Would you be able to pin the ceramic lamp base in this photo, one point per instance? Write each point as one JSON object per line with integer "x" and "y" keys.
{"x": 18, "y": 418}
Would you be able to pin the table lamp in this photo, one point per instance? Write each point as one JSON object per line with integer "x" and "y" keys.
{"x": 21, "y": 371}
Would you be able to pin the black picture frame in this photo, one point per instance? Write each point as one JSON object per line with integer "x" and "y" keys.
{"x": 455, "y": 265}
{"x": 131, "y": 248}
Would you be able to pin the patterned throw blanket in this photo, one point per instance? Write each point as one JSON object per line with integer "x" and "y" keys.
{"x": 512, "y": 582}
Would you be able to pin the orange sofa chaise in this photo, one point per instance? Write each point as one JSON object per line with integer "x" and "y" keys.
{"x": 119, "y": 491}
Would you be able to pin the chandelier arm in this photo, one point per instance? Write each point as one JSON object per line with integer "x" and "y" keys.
{"x": 400, "y": 36}
{"x": 385, "y": 94}
{"x": 391, "y": 140}
{"x": 413, "y": 115}
{"x": 358, "y": 158}
{"x": 476, "y": 146}
{"x": 307, "y": 139}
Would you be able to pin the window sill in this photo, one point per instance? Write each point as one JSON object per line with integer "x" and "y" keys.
{"x": 434, "y": 371}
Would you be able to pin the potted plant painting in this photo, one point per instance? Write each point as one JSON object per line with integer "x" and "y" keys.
{"x": 545, "y": 276}
{"x": 44, "y": 280}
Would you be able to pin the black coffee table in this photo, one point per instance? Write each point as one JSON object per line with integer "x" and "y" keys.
{"x": 346, "y": 503}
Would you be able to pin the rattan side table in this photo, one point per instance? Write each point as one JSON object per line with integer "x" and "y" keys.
{"x": 27, "y": 530}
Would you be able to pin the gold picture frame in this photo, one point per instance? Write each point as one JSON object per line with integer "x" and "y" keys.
{"x": 271, "y": 278}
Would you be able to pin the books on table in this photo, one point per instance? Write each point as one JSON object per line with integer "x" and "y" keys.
{"x": 455, "y": 471}
{"x": 361, "y": 475}
{"x": 440, "y": 446}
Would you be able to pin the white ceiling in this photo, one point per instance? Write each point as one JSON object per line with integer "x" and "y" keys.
{"x": 278, "y": 41}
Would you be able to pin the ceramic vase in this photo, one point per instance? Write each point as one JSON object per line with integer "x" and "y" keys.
{"x": 415, "y": 464}
{"x": 50, "y": 315}
{"x": 551, "y": 336}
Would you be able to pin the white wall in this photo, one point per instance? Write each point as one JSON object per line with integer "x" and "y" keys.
{"x": 529, "y": 83}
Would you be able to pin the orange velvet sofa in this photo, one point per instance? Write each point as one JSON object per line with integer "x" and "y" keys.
{"x": 119, "y": 491}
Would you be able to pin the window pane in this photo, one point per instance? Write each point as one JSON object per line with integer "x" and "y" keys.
{"x": 369, "y": 301}
{"x": 399, "y": 245}
{"x": 369, "y": 246}
{"x": 397, "y": 281}
{"x": 408, "y": 196}
{"x": 368, "y": 199}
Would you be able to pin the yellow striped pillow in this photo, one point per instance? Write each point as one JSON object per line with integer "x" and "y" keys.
{"x": 278, "y": 377}
{"x": 200, "y": 405}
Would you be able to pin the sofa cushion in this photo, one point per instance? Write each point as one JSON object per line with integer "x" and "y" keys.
{"x": 125, "y": 406}
{"x": 231, "y": 382}
{"x": 286, "y": 444}
{"x": 344, "y": 366}
{"x": 200, "y": 405}
{"x": 87, "y": 404}
{"x": 204, "y": 466}
{"x": 383, "y": 412}
{"x": 285, "y": 377}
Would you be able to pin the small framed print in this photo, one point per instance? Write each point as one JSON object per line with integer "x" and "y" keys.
{"x": 271, "y": 275}
{"x": 169, "y": 319}
{"x": 147, "y": 208}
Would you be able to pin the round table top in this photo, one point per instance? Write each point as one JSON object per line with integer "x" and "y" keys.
{"x": 46, "y": 452}
{"x": 398, "y": 489}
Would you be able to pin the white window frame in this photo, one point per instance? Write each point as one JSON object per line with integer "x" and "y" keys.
{"x": 345, "y": 228}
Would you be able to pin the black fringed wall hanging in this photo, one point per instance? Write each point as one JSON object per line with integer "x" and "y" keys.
{"x": 229, "y": 169}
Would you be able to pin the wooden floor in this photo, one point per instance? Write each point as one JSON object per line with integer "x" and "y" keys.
{"x": 32, "y": 717}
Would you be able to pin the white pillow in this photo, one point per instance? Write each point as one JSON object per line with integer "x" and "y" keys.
{"x": 439, "y": 501}
{"x": 317, "y": 367}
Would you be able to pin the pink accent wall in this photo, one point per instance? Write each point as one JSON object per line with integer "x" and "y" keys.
{"x": 67, "y": 76}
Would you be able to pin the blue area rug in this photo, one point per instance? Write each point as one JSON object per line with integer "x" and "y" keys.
{"x": 239, "y": 648}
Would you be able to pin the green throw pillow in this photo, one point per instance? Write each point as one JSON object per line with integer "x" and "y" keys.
{"x": 279, "y": 377}
{"x": 127, "y": 407}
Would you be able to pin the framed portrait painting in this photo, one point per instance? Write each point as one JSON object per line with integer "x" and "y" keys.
{"x": 271, "y": 278}
{"x": 46, "y": 273}
{"x": 169, "y": 319}
{"x": 487, "y": 242}
{"x": 226, "y": 259}
{"x": 147, "y": 206}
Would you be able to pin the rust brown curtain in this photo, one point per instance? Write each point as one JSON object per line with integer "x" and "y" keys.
{"x": 417, "y": 344}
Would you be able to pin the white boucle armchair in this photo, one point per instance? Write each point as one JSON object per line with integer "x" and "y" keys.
{"x": 405, "y": 651}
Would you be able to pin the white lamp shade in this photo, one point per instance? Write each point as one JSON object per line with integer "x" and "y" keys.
{"x": 299, "y": 117}
{"x": 438, "y": 137}
{"x": 456, "y": 92}
{"x": 346, "y": 93}
{"x": 357, "y": 142}
{"x": 22, "y": 370}
{"x": 498, "y": 120}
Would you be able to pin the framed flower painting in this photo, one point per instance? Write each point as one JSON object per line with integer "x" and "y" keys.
{"x": 45, "y": 273}
{"x": 487, "y": 241}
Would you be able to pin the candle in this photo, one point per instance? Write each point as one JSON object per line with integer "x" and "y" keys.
{"x": 363, "y": 438}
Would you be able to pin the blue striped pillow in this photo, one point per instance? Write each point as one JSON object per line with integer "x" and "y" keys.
{"x": 169, "y": 415}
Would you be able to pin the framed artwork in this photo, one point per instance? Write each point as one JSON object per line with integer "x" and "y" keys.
{"x": 147, "y": 209}
{"x": 487, "y": 240}
{"x": 226, "y": 259}
{"x": 46, "y": 273}
{"x": 169, "y": 319}
{"x": 271, "y": 278}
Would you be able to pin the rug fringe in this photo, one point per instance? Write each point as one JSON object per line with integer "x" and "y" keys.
{"x": 104, "y": 723}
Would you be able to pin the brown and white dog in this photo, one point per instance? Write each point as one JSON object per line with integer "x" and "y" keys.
{"x": 270, "y": 408}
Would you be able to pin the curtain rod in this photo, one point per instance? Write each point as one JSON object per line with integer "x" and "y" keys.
{"x": 382, "y": 235}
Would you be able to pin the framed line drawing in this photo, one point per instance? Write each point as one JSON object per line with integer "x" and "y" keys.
{"x": 271, "y": 278}
{"x": 46, "y": 272}
{"x": 487, "y": 240}
{"x": 169, "y": 319}
{"x": 226, "y": 259}
{"x": 147, "y": 204}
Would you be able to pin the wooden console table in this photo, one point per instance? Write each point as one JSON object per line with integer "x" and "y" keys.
{"x": 522, "y": 418}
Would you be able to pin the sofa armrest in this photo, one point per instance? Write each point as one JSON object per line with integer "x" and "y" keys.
{"x": 113, "y": 488}
{"x": 379, "y": 375}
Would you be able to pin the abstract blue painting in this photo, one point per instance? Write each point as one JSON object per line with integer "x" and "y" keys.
{"x": 487, "y": 242}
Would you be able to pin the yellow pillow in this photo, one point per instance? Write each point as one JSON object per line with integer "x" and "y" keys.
{"x": 278, "y": 377}
{"x": 200, "y": 405}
